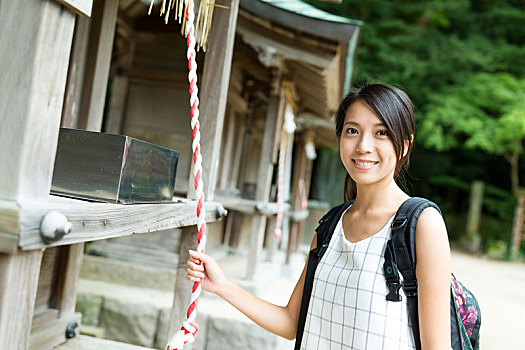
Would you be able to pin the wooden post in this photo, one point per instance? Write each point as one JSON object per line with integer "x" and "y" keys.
{"x": 274, "y": 117}
{"x": 518, "y": 226}
{"x": 240, "y": 132}
{"x": 302, "y": 170}
{"x": 117, "y": 104}
{"x": 75, "y": 74}
{"x": 182, "y": 294}
{"x": 214, "y": 92}
{"x": 227, "y": 151}
{"x": 70, "y": 259}
{"x": 101, "y": 36}
{"x": 473, "y": 238}
{"x": 35, "y": 43}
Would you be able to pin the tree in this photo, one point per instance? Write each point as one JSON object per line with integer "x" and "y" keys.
{"x": 487, "y": 113}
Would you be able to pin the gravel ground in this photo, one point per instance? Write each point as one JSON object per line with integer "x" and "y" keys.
{"x": 500, "y": 290}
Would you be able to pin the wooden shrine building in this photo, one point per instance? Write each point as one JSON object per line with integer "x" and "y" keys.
{"x": 124, "y": 72}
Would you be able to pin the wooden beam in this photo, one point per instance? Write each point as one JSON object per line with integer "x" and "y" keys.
{"x": 98, "y": 63}
{"x": 8, "y": 243}
{"x": 292, "y": 48}
{"x": 93, "y": 221}
{"x": 179, "y": 79}
{"x": 216, "y": 75}
{"x": 249, "y": 206}
{"x": 52, "y": 333}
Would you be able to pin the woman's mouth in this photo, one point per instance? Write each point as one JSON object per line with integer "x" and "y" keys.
{"x": 363, "y": 164}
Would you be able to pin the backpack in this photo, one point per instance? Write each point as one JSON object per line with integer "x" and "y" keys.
{"x": 400, "y": 257}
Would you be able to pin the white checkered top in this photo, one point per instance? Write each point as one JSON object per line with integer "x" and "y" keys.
{"x": 348, "y": 308}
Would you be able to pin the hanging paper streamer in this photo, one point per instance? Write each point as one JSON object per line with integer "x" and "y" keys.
{"x": 204, "y": 17}
{"x": 288, "y": 128}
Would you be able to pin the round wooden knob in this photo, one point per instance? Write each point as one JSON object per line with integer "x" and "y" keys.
{"x": 54, "y": 227}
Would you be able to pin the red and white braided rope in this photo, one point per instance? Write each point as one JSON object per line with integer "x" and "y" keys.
{"x": 188, "y": 331}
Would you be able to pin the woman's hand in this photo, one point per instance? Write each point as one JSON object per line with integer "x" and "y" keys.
{"x": 204, "y": 269}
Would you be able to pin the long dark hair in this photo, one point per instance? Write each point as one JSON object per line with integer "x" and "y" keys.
{"x": 395, "y": 109}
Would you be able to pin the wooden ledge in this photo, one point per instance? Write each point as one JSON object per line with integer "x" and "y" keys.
{"x": 93, "y": 221}
{"x": 250, "y": 206}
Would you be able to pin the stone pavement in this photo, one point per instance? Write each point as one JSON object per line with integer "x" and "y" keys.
{"x": 140, "y": 315}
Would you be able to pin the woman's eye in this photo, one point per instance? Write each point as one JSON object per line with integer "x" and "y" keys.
{"x": 382, "y": 132}
{"x": 351, "y": 131}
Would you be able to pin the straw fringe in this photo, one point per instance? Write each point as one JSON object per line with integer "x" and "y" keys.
{"x": 202, "y": 24}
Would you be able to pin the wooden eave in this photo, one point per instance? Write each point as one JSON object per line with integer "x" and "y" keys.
{"x": 313, "y": 64}
{"x": 329, "y": 30}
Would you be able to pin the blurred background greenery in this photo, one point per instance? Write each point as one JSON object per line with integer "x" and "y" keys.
{"x": 463, "y": 64}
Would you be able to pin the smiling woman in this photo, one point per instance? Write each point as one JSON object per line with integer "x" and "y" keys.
{"x": 390, "y": 112}
{"x": 347, "y": 303}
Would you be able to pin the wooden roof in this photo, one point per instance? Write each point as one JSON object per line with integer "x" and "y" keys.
{"x": 304, "y": 18}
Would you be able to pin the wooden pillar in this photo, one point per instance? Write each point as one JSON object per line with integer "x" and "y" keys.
{"x": 274, "y": 117}
{"x": 119, "y": 93}
{"x": 182, "y": 294}
{"x": 227, "y": 150}
{"x": 302, "y": 170}
{"x": 238, "y": 150}
{"x": 98, "y": 62}
{"x": 117, "y": 105}
{"x": 75, "y": 74}
{"x": 35, "y": 43}
{"x": 214, "y": 92}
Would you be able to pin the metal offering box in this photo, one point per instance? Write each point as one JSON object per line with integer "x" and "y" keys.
{"x": 112, "y": 168}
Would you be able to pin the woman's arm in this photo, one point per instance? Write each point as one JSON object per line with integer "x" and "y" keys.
{"x": 433, "y": 272}
{"x": 280, "y": 320}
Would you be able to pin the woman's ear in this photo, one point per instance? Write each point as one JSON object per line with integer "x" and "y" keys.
{"x": 406, "y": 145}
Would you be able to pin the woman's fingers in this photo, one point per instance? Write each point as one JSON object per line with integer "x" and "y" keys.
{"x": 193, "y": 279}
{"x": 194, "y": 274}
{"x": 194, "y": 265}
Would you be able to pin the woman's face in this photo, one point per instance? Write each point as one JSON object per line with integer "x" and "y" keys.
{"x": 365, "y": 147}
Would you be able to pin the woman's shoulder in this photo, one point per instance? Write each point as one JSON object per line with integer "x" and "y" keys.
{"x": 430, "y": 228}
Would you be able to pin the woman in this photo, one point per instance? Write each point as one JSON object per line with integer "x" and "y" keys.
{"x": 348, "y": 310}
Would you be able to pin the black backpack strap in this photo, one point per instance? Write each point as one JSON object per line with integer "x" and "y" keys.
{"x": 324, "y": 231}
{"x": 401, "y": 253}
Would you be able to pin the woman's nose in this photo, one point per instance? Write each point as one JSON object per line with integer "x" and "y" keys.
{"x": 364, "y": 145}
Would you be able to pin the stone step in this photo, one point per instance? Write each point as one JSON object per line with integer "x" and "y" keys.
{"x": 141, "y": 316}
{"x": 83, "y": 342}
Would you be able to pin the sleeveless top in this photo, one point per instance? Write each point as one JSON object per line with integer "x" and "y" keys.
{"x": 348, "y": 307}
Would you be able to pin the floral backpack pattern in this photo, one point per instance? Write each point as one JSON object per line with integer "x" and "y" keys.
{"x": 468, "y": 315}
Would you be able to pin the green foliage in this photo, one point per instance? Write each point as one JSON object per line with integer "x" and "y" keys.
{"x": 463, "y": 64}
{"x": 426, "y": 46}
{"x": 487, "y": 112}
